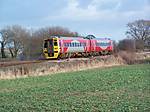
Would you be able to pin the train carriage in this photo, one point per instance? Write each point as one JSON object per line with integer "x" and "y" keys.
{"x": 104, "y": 45}
{"x": 74, "y": 45}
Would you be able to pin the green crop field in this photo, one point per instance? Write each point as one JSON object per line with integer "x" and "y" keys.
{"x": 118, "y": 89}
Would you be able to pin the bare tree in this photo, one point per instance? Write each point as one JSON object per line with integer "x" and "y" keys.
{"x": 127, "y": 45}
{"x": 15, "y": 39}
{"x": 5, "y": 35}
{"x": 18, "y": 40}
{"x": 140, "y": 31}
{"x": 54, "y": 31}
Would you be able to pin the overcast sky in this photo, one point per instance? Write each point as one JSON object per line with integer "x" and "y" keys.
{"x": 102, "y": 18}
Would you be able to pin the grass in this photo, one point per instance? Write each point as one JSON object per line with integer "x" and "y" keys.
{"x": 118, "y": 89}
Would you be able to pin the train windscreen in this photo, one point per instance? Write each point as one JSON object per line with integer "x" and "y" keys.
{"x": 48, "y": 44}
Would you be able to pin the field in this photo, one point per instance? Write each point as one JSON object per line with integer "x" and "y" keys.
{"x": 118, "y": 89}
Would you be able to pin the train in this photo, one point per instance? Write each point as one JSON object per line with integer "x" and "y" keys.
{"x": 57, "y": 47}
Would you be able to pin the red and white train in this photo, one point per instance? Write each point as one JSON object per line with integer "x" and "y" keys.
{"x": 63, "y": 47}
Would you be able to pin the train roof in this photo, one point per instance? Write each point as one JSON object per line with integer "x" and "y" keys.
{"x": 76, "y": 38}
{"x": 102, "y": 38}
{"x": 65, "y": 38}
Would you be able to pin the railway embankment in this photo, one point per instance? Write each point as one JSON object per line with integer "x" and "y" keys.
{"x": 11, "y": 70}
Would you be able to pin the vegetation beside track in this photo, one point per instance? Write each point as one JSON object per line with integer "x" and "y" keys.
{"x": 55, "y": 66}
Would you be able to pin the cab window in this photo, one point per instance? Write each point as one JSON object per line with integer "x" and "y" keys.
{"x": 55, "y": 43}
{"x": 45, "y": 44}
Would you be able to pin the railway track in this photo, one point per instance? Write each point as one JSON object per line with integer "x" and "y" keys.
{"x": 14, "y": 63}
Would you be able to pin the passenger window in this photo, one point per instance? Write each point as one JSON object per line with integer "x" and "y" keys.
{"x": 70, "y": 45}
{"x": 65, "y": 44}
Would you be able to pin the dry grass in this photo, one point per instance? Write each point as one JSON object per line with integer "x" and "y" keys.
{"x": 133, "y": 57}
{"x": 45, "y": 68}
{"x": 128, "y": 57}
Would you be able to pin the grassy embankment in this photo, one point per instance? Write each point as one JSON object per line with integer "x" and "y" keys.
{"x": 125, "y": 88}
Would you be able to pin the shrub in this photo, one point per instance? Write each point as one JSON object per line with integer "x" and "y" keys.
{"x": 128, "y": 57}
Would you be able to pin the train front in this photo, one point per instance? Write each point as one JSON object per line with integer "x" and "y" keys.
{"x": 51, "y": 48}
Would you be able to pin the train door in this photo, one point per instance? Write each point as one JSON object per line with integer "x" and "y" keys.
{"x": 56, "y": 47}
{"x": 50, "y": 48}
